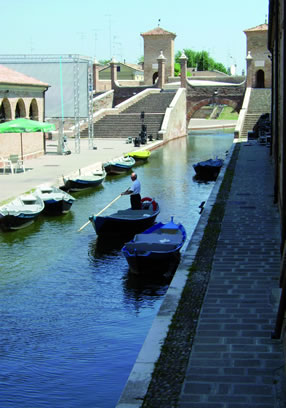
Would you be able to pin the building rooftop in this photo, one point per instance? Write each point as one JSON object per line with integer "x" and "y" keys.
{"x": 9, "y": 76}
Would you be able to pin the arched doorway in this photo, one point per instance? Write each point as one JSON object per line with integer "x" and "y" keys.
{"x": 33, "y": 110}
{"x": 260, "y": 79}
{"x": 20, "y": 111}
{"x": 155, "y": 77}
{"x": 5, "y": 110}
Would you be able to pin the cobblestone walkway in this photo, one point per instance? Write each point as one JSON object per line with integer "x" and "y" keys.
{"x": 234, "y": 363}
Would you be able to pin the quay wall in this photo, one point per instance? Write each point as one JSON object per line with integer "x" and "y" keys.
{"x": 103, "y": 101}
{"x": 174, "y": 123}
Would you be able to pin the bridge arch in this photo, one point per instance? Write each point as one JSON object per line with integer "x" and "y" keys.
{"x": 205, "y": 93}
{"x": 207, "y": 101}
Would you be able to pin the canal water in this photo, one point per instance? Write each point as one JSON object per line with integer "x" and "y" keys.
{"x": 73, "y": 318}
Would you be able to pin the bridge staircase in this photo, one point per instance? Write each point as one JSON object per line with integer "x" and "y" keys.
{"x": 128, "y": 123}
{"x": 259, "y": 103}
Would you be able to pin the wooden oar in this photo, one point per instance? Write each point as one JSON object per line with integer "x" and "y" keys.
{"x": 108, "y": 205}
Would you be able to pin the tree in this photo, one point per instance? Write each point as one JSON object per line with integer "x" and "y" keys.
{"x": 200, "y": 60}
{"x": 104, "y": 62}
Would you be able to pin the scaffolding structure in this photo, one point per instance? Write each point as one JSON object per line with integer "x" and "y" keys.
{"x": 45, "y": 67}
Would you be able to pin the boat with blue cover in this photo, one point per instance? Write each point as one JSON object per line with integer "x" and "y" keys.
{"x": 157, "y": 250}
{"x": 208, "y": 169}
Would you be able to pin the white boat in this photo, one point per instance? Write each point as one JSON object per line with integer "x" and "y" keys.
{"x": 20, "y": 212}
{"x": 84, "y": 181}
{"x": 119, "y": 165}
{"x": 56, "y": 200}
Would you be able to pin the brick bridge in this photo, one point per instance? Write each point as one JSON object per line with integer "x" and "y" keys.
{"x": 199, "y": 95}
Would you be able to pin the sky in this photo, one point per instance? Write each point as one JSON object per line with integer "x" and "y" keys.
{"x": 105, "y": 29}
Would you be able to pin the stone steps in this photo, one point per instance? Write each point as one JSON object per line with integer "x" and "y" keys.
{"x": 259, "y": 103}
{"x": 129, "y": 122}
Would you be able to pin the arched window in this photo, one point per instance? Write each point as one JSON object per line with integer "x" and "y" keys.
{"x": 33, "y": 110}
{"x": 260, "y": 79}
{"x": 20, "y": 111}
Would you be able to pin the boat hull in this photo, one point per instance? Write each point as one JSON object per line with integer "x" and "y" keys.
{"x": 119, "y": 166}
{"x": 125, "y": 223}
{"x": 209, "y": 169}
{"x": 20, "y": 212}
{"x": 116, "y": 169}
{"x": 84, "y": 182}
{"x": 53, "y": 207}
{"x": 116, "y": 228}
{"x": 155, "y": 264}
{"x": 11, "y": 222}
{"x": 78, "y": 184}
{"x": 142, "y": 155}
{"x": 156, "y": 251}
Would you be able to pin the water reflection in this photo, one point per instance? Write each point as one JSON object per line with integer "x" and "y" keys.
{"x": 143, "y": 291}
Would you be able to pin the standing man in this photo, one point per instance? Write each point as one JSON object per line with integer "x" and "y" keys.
{"x": 134, "y": 191}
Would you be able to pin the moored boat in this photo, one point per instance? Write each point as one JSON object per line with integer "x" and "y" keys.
{"x": 156, "y": 251}
{"x": 84, "y": 181}
{"x": 20, "y": 212}
{"x": 56, "y": 200}
{"x": 208, "y": 169}
{"x": 119, "y": 165}
{"x": 126, "y": 223}
{"x": 140, "y": 155}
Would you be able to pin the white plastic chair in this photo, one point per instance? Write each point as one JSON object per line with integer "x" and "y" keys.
{"x": 16, "y": 163}
{"x": 6, "y": 164}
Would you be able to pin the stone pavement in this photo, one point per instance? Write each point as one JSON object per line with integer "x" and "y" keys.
{"x": 51, "y": 167}
{"x": 234, "y": 362}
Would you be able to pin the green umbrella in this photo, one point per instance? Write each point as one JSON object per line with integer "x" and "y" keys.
{"x": 22, "y": 125}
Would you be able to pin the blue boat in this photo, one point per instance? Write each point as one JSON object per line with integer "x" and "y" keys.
{"x": 157, "y": 250}
{"x": 208, "y": 169}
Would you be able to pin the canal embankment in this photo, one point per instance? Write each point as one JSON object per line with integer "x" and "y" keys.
{"x": 199, "y": 124}
{"x": 52, "y": 167}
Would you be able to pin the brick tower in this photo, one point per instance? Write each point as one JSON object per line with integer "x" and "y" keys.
{"x": 258, "y": 62}
{"x": 158, "y": 41}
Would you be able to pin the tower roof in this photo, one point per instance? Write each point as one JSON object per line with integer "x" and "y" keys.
{"x": 261, "y": 27}
{"x": 158, "y": 31}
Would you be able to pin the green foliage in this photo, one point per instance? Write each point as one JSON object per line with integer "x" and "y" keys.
{"x": 200, "y": 60}
{"x": 177, "y": 69}
{"x": 104, "y": 62}
{"x": 140, "y": 60}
